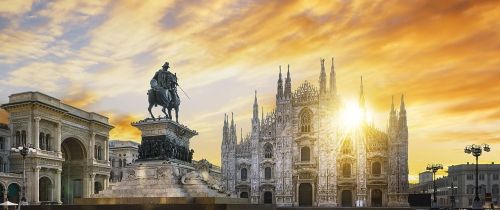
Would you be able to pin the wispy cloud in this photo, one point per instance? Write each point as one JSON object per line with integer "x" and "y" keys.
{"x": 100, "y": 55}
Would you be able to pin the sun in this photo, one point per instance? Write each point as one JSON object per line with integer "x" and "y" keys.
{"x": 351, "y": 115}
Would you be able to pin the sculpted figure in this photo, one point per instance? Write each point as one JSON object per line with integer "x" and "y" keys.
{"x": 163, "y": 92}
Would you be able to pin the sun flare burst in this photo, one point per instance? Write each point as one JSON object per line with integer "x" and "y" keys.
{"x": 351, "y": 115}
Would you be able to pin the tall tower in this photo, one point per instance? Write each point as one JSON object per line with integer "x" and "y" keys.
{"x": 283, "y": 167}
{"x": 322, "y": 78}
{"x": 231, "y": 157}
{"x": 333, "y": 81}
{"x": 224, "y": 154}
{"x": 279, "y": 94}
{"x": 288, "y": 84}
{"x": 362, "y": 102}
{"x": 398, "y": 157}
{"x": 255, "y": 151}
{"x": 403, "y": 153}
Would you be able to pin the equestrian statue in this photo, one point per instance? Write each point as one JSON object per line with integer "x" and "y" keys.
{"x": 163, "y": 92}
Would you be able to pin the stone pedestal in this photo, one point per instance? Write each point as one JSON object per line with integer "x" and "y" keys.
{"x": 164, "y": 169}
{"x": 164, "y": 139}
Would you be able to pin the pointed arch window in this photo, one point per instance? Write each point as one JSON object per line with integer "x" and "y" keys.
{"x": 267, "y": 173}
{"x": 305, "y": 120}
{"x": 268, "y": 150}
{"x": 305, "y": 154}
{"x": 243, "y": 174}
{"x": 346, "y": 170}
{"x": 376, "y": 169}
{"x": 346, "y": 147}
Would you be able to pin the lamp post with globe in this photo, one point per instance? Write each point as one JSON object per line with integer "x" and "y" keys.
{"x": 476, "y": 151}
{"x": 24, "y": 151}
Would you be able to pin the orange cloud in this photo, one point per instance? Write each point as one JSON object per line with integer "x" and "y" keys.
{"x": 123, "y": 129}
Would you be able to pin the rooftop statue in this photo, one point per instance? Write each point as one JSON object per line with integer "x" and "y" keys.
{"x": 163, "y": 92}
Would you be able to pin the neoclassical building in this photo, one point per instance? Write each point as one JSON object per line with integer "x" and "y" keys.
{"x": 305, "y": 153}
{"x": 71, "y": 158}
{"x": 121, "y": 154}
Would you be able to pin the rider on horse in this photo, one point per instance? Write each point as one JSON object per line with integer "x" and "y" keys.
{"x": 164, "y": 90}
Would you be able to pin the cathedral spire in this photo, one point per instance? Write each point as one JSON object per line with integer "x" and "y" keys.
{"x": 361, "y": 95}
{"x": 224, "y": 130}
{"x": 262, "y": 115}
{"x": 322, "y": 78}
{"x": 402, "y": 114}
{"x": 288, "y": 84}
{"x": 279, "y": 94}
{"x": 333, "y": 80}
{"x": 241, "y": 136}
{"x": 393, "y": 120}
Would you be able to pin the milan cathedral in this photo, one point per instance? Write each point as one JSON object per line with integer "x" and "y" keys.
{"x": 302, "y": 154}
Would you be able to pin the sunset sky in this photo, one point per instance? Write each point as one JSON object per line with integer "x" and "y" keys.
{"x": 100, "y": 55}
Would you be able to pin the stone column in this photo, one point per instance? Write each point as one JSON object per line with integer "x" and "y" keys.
{"x": 58, "y": 186}
{"x": 106, "y": 150}
{"x": 92, "y": 180}
{"x": 37, "y": 132}
{"x": 58, "y": 139}
{"x": 92, "y": 145}
{"x": 36, "y": 185}
{"x": 106, "y": 182}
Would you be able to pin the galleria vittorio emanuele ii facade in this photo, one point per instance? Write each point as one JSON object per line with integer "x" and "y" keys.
{"x": 307, "y": 152}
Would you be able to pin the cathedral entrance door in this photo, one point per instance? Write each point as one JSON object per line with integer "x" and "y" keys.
{"x": 305, "y": 194}
{"x": 346, "y": 198}
{"x": 268, "y": 197}
{"x": 376, "y": 198}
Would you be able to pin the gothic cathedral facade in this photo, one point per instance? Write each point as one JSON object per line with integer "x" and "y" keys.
{"x": 302, "y": 154}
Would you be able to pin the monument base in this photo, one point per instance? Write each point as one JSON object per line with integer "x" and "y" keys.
{"x": 161, "y": 179}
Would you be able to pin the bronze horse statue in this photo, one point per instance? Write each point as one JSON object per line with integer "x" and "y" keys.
{"x": 171, "y": 101}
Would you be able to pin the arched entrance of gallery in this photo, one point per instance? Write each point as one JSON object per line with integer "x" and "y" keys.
{"x": 45, "y": 189}
{"x": 72, "y": 174}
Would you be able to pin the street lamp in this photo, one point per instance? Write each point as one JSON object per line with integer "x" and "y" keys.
{"x": 452, "y": 197}
{"x": 476, "y": 151}
{"x": 24, "y": 151}
{"x": 434, "y": 168}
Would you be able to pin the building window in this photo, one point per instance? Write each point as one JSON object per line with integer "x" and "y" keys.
{"x": 376, "y": 169}
{"x": 470, "y": 176}
{"x": 305, "y": 154}
{"x": 1, "y": 167}
{"x": 41, "y": 140}
{"x": 455, "y": 178}
{"x": 495, "y": 176}
{"x": 495, "y": 190}
{"x": 2, "y": 143}
{"x": 23, "y": 138}
{"x": 470, "y": 189}
{"x": 47, "y": 142}
{"x": 482, "y": 189}
{"x": 481, "y": 176}
{"x": 268, "y": 150}
{"x": 346, "y": 170}
{"x": 18, "y": 138}
{"x": 243, "y": 174}
{"x": 267, "y": 173}
{"x": 305, "y": 121}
